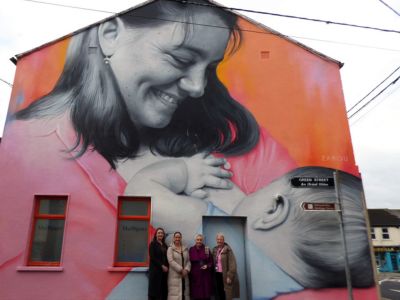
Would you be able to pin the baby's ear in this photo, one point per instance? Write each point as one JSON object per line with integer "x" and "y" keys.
{"x": 274, "y": 215}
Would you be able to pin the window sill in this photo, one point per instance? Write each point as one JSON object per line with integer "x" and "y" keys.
{"x": 129, "y": 269}
{"x": 39, "y": 269}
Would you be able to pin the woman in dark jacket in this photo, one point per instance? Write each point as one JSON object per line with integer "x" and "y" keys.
{"x": 158, "y": 269}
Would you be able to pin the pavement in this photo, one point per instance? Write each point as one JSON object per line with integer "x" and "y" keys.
{"x": 386, "y": 276}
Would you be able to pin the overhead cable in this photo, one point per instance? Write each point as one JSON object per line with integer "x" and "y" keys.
{"x": 239, "y": 9}
{"x": 70, "y": 6}
{"x": 244, "y": 30}
{"x": 388, "y": 6}
{"x": 6, "y": 82}
{"x": 374, "y": 107}
{"x": 290, "y": 16}
{"x": 376, "y": 96}
{"x": 358, "y": 102}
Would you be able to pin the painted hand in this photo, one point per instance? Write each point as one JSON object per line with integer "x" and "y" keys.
{"x": 206, "y": 171}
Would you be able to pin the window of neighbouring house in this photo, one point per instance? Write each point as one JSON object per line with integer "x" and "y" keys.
{"x": 385, "y": 233}
{"x": 373, "y": 236}
{"x": 47, "y": 231}
{"x": 133, "y": 231}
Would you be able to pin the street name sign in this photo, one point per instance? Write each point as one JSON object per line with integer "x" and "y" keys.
{"x": 312, "y": 182}
{"x": 324, "y": 206}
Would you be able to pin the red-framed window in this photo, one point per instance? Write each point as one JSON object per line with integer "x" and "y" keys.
{"x": 133, "y": 232}
{"x": 47, "y": 231}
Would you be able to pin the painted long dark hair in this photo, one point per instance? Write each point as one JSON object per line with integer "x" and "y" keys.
{"x": 88, "y": 89}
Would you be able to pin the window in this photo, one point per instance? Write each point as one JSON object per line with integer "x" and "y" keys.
{"x": 373, "y": 236}
{"x": 133, "y": 231}
{"x": 47, "y": 231}
{"x": 385, "y": 233}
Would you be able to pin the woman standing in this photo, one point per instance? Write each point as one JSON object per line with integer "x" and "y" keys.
{"x": 201, "y": 272}
{"x": 158, "y": 269}
{"x": 178, "y": 279}
{"x": 227, "y": 281}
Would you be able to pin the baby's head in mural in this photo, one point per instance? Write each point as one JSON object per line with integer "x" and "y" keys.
{"x": 308, "y": 245}
{"x": 148, "y": 77}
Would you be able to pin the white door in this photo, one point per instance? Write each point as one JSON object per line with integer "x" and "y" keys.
{"x": 233, "y": 229}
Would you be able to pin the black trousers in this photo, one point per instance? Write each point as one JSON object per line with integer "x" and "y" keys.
{"x": 220, "y": 292}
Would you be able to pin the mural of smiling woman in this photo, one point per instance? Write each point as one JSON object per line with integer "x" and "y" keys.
{"x": 172, "y": 102}
{"x": 136, "y": 92}
{"x": 147, "y": 73}
{"x": 156, "y": 70}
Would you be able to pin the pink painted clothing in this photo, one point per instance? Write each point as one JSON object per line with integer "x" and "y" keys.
{"x": 34, "y": 160}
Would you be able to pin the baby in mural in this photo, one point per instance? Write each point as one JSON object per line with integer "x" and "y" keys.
{"x": 307, "y": 249}
{"x": 307, "y": 245}
{"x": 181, "y": 189}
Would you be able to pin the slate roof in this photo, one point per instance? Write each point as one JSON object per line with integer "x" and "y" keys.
{"x": 384, "y": 217}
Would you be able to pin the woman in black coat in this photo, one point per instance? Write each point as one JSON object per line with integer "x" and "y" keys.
{"x": 158, "y": 269}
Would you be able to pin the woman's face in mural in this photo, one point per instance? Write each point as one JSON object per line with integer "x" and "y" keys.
{"x": 159, "y": 67}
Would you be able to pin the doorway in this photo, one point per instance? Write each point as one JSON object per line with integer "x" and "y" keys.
{"x": 233, "y": 229}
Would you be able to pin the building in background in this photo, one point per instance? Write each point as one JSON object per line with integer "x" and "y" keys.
{"x": 385, "y": 235}
{"x": 170, "y": 115}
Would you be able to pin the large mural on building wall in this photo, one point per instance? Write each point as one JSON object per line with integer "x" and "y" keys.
{"x": 207, "y": 113}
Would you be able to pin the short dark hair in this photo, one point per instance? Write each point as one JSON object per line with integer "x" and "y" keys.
{"x": 212, "y": 123}
{"x": 318, "y": 245}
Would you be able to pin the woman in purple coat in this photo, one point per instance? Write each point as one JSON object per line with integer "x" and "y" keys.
{"x": 201, "y": 272}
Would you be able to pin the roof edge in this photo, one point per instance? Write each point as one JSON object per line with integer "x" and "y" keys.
{"x": 16, "y": 57}
{"x": 273, "y": 31}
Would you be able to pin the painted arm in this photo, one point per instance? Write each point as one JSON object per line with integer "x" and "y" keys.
{"x": 188, "y": 175}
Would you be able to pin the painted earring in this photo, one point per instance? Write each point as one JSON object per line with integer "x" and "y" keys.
{"x": 107, "y": 60}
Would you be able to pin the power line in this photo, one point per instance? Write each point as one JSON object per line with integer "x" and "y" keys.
{"x": 388, "y": 6}
{"x": 358, "y": 102}
{"x": 70, "y": 6}
{"x": 376, "y": 96}
{"x": 239, "y": 9}
{"x": 6, "y": 82}
{"x": 215, "y": 26}
{"x": 291, "y": 16}
{"x": 374, "y": 107}
{"x": 343, "y": 43}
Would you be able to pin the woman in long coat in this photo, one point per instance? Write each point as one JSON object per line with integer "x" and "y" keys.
{"x": 179, "y": 262}
{"x": 201, "y": 270}
{"x": 158, "y": 268}
{"x": 227, "y": 280}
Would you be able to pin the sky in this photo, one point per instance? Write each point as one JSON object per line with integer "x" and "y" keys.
{"x": 369, "y": 57}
